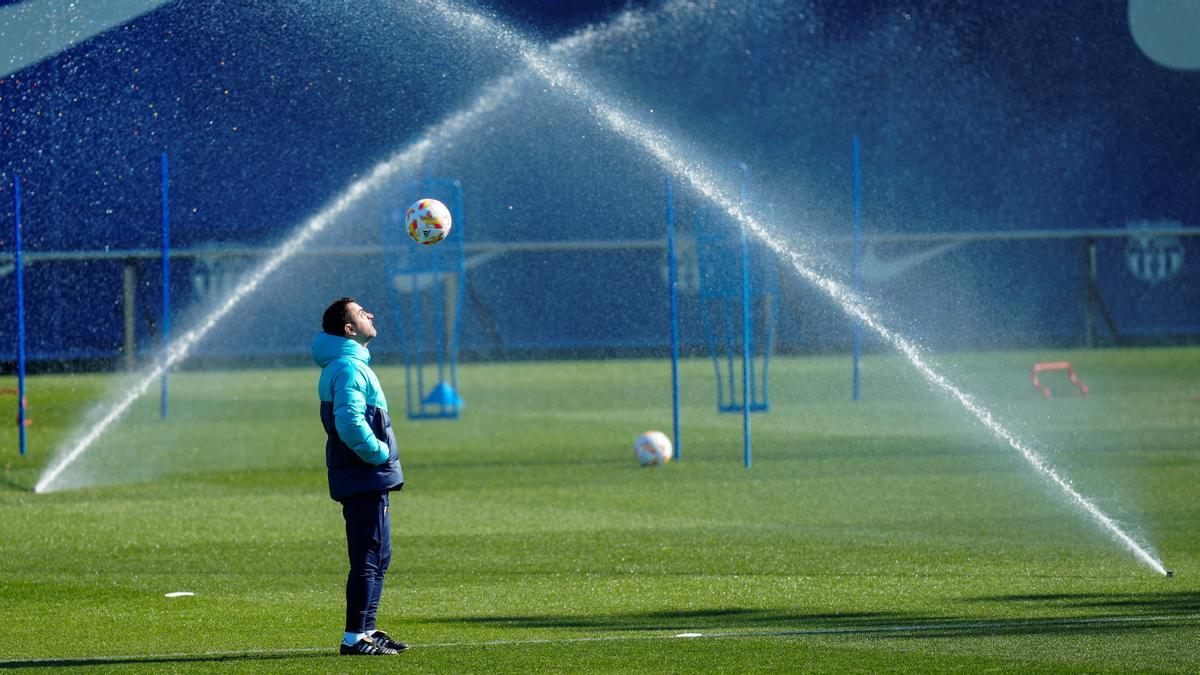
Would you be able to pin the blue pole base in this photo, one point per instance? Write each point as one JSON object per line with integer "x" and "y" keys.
{"x": 444, "y": 395}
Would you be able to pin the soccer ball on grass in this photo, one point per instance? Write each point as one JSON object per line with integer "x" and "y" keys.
{"x": 652, "y": 448}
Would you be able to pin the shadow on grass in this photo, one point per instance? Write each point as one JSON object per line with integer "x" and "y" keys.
{"x": 725, "y": 618}
{"x": 1151, "y": 611}
{"x": 164, "y": 659}
{"x": 7, "y": 483}
{"x": 1137, "y": 603}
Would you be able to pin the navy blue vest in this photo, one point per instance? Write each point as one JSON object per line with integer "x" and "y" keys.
{"x": 349, "y": 475}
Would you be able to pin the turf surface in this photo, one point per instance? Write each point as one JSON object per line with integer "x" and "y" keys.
{"x": 890, "y": 534}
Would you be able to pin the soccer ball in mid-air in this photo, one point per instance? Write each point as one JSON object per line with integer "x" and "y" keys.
{"x": 652, "y": 448}
{"x": 428, "y": 221}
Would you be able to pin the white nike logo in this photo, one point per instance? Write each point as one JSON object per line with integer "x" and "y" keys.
{"x": 877, "y": 270}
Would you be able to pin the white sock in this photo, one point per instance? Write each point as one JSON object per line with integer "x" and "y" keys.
{"x": 351, "y": 638}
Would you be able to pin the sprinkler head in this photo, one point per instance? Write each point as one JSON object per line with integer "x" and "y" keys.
{"x": 1170, "y": 573}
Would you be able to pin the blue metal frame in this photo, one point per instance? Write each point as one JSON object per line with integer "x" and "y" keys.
{"x": 20, "y": 269}
{"x": 724, "y": 292}
{"x": 166, "y": 278}
{"x": 857, "y": 269}
{"x": 674, "y": 284}
{"x": 423, "y": 269}
{"x": 723, "y": 297}
{"x": 747, "y": 379}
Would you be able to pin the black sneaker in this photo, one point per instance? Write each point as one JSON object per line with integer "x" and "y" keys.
{"x": 366, "y": 647}
{"x": 382, "y": 638}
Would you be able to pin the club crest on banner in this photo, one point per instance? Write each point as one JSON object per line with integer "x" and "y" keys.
{"x": 687, "y": 266}
{"x": 1154, "y": 259}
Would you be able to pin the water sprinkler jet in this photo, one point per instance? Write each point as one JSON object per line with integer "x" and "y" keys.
{"x": 666, "y": 154}
{"x": 662, "y": 149}
{"x": 491, "y": 97}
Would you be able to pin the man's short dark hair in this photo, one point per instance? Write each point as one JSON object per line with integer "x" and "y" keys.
{"x": 335, "y": 318}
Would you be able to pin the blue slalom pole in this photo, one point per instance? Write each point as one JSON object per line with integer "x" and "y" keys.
{"x": 857, "y": 271}
{"x": 166, "y": 277}
{"x": 745, "y": 339}
{"x": 674, "y": 318}
{"x": 20, "y": 315}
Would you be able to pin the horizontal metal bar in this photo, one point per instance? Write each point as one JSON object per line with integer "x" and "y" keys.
{"x": 1017, "y": 235}
{"x": 597, "y": 245}
{"x": 250, "y": 252}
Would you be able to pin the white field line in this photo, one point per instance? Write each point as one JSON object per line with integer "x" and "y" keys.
{"x": 716, "y": 634}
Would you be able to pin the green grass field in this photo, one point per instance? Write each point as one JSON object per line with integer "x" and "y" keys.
{"x": 890, "y": 534}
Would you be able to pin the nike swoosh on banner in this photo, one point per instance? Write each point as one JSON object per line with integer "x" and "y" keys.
{"x": 877, "y": 270}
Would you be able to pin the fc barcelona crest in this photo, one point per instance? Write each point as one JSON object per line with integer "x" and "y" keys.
{"x": 1154, "y": 259}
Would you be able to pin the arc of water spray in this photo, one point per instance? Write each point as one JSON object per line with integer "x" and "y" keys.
{"x": 844, "y": 297}
{"x": 411, "y": 156}
{"x": 180, "y": 348}
{"x": 656, "y": 144}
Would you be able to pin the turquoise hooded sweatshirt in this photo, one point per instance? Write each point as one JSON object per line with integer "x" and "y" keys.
{"x": 354, "y": 412}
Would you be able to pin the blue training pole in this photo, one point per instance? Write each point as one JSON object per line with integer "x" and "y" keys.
{"x": 673, "y": 279}
{"x": 745, "y": 340}
{"x": 857, "y": 272}
{"x": 166, "y": 277}
{"x": 20, "y": 315}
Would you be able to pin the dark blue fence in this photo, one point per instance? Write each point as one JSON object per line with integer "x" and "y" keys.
{"x": 613, "y": 297}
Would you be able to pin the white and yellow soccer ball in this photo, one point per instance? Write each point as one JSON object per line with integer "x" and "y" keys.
{"x": 652, "y": 448}
{"x": 428, "y": 221}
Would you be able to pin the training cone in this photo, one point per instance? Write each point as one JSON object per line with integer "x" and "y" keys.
{"x": 443, "y": 394}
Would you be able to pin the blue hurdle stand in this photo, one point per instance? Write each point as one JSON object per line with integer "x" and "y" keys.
{"x": 426, "y": 291}
{"x": 738, "y": 305}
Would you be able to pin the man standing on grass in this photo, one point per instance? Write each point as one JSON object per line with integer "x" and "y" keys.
{"x": 363, "y": 463}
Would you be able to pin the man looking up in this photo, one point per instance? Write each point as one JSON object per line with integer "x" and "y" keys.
{"x": 363, "y": 465}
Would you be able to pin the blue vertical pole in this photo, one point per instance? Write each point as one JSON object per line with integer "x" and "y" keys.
{"x": 745, "y": 338}
{"x": 166, "y": 277}
{"x": 673, "y": 280}
{"x": 437, "y": 296}
{"x": 20, "y": 315}
{"x": 460, "y": 272}
{"x": 857, "y": 271}
{"x": 418, "y": 335}
{"x": 412, "y": 363}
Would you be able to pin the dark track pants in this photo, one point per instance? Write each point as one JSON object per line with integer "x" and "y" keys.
{"x": 369, "y": 543}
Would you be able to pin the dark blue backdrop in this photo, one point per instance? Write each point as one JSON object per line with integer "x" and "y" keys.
{"x": 1007, "y": 115}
